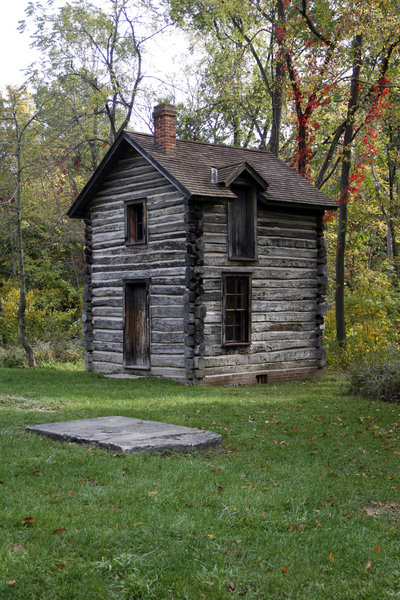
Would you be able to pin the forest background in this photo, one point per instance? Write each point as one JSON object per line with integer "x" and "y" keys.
{"x": 315, "y": 82}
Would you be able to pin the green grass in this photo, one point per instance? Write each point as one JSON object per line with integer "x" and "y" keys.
{"x": 303, "y": 496}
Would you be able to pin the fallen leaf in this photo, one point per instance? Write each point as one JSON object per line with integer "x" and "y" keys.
{"x": 397, "y": 452}
{"x": 153, "y": 493}
{"x": 231, "y": 586}
{"x": 61, "y": 565}
{"x": 60, "y": 530}
{"x": 116, "y": 576}
{"x": 292, "y": 528}
{"x": 18, "y": 548}
{"x": 210, "y": 536}
{"x": 38, "y": 473}
{"x": 55, "y": 495}
{"x": 76, "y": 530}
{"x": 331, "y": 557}
{"x": 368, "y": 566}
{"x": 318, "y": 523}
{"x": 285, "y": 570}
{"x": 220, "y": 487}
{"x": 302, "y": 527}
{"x": 12, "y": 582}
{"x": 71, "y": 493}
{"x": 377, "y": 549}
{"x": 138, "y": 524}
{"x": 28, "y": 520}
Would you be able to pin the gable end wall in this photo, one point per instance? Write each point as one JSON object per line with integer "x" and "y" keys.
{"x": 111, "y": 261}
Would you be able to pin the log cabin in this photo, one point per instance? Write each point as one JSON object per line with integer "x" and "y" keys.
{"x": 204, "y": 263}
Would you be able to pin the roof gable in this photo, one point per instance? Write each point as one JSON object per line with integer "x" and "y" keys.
{"x": 228, "y": 175}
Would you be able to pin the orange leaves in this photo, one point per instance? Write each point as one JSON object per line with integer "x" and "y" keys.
{"x": 18, "y": 548}
{"x": 331, "y": 558}
{"x": 292, "y": 528}
{"x": 28, "y": 521}
{"x": 368, "y": 566}
{"x": 57, "y": 531}
{"x": 285, "y": 570}
{"x": 12, "y": 582}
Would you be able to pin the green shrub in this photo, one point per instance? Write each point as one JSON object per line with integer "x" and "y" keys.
{"x": 377, "y": 376}
{"x": 12, "y": 357}
{"x": 46, "y": 353}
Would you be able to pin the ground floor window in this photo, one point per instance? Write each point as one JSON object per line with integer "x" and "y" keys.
{"x": 236, "y": 309}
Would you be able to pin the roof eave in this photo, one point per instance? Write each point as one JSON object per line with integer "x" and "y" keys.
{"x": 77, "y": 209}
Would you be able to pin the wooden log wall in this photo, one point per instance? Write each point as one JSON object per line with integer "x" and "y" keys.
{"x": 288, "y": 298}
{"x": 162, "y": 260}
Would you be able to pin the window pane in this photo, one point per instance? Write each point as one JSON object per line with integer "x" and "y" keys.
{"x": 229, "y": 320}
{"x": 230, "y": 302}
{"x": 230, "y": 285}
{"x": 229, "y": 337}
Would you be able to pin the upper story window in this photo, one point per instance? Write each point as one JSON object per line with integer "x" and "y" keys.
{"x": 242, "y": 219}
{"x": 136, "y": 222}
{"x": 236, "y": 309}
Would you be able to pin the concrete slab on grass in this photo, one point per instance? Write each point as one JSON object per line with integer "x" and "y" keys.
{"x": 129, "y": 435}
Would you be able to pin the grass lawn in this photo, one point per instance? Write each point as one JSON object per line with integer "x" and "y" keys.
{"x": 302, "y": 502}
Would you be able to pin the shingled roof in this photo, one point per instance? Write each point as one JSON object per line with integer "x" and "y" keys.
{"x": 189, "y": 169}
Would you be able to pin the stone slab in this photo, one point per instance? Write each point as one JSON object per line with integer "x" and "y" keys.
{"x": 129, "y": 435}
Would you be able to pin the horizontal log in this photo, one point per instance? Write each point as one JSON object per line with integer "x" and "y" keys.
{"x": 108, "y": 357}
{"x": 222, "y": 370}
{"x": 108, "y": 335}
{"x": 259, "y": 349}
{"x": 113, "y": 279}
{"x": 167, "y": 337}
{"x": 103, "y": 346}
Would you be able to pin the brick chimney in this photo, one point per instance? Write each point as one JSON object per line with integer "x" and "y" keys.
{"x": 164, "y": 116}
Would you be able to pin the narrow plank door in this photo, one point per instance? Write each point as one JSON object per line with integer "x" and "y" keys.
{"x": 136, "y": 334}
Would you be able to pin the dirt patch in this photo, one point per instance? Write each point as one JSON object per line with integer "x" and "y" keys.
{"x": 381, "y": 510}
{"x": 23, "y": 403}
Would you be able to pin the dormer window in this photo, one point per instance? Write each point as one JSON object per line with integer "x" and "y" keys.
{"x": 242, "y": 219}
{"x": 136, "y": 222}
{"x": 244, "y": 181}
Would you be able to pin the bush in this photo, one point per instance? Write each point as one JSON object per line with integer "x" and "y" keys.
{"x": 372, "y": 309}
{"x": 48, "y": 316}
{"x": 378, "y": 376}
{"x": 46, "y": 353}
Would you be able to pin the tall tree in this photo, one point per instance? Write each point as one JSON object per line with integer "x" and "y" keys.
{"x": 19, "y": 116}
{"x": 94, "y": 57}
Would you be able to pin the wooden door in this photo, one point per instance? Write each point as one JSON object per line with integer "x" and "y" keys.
{"x": 136, "y": 333}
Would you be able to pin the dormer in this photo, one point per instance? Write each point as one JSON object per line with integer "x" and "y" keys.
{"x": 244, "y": 181}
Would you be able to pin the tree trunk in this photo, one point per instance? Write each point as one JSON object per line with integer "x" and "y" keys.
{"x": 277, "y": 94}
{"x": 22, "y": 290}
{"x": 344, "y": 195}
